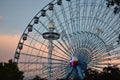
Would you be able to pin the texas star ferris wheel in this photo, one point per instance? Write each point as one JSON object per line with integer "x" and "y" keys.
{"x": 85, "y": 29}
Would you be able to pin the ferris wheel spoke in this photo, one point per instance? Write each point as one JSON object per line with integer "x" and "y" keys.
{"x": 56, "y": 67}
{"x": 66, "y": 24}
{"x": 101, "y": 60}
{"x": 111, "y": 35}
{"x": 47, "y": 46}
{"x": 110, "y": 58}
{"x": 34, "y": 69}
{"x": 108, "y": 64}
{"x": 62, "y": 28}
{"x": 97, "y": 67}
{"x": 97, "y": 53}
{"x": 84, "y": 11}
{"x": 60, "y": 49}
{"x": 58, "y": 20}
{"x": 65, "y": 18}
{"x": 35, "y": 48}
{"x": 71, "y": 44}
{"x": 59, "y": 55}
{"x": 99, "y": 21}
{"x": 37, "y": 31}
{"x": 42, "y": 43}
{"x": 92, "y": 13}
{"x": 97, "y": 56}
{"x": 105, "y": 26}
{"x": 37, "y": 56}
{"x": 63, "y": 47}
{"x": 30, "y": 63}
{"x": 60, "y": 74}
{"x": 44, "y": 25}
{"x": 71, "y": 13}
{"x": 49, "y": 20}
{"x": 103, "y": 16}
{"x": 44, "y": 68}
{"x": 106, "y": 54}
{"x": 66, "y": 42}
{"x": 78, "y": 15}
{"x": 54, "y": 50}
{"x": 110, "y": 28}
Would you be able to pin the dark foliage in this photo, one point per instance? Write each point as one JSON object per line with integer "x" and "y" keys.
{"x": 10, "y": 71}
{"x": 111, "y": 73}
{"x": 38, "y": 78}
{"x": 115, "y": 4}
{"x": 108, "y": 73}
{"x": 91, "y": 74}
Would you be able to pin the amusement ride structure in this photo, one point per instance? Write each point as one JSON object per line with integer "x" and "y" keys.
{"x": 68, "y": 36}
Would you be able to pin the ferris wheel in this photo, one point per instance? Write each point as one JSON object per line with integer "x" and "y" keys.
{"x": 85, "y": 29}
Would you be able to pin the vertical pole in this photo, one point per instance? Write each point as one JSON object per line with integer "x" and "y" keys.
{"x": 50, "y": 58}
{"x": 51, "y": 29}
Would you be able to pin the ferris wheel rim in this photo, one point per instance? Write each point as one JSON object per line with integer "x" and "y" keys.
{"x": 63, "y": 49}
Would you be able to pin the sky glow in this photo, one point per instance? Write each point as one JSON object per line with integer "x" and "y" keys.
{"x": 14, "y": 18}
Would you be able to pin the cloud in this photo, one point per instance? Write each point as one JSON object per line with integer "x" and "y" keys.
{"x": 8, "y": 45}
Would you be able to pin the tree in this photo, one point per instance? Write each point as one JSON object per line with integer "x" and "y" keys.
{"x": 115, "y": 4}
{"x": 38, "y": 78}
{"x": 108, "y": 73}
{"x": 10, "y": 71}
{"x": 111, "y": 73}
{"x": 91, "y": 74}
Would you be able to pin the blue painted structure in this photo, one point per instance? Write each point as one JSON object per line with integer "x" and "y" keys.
{"x": 79, "y": 69}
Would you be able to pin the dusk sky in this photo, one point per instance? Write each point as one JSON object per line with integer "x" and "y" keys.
{"x": 14, "y": 18}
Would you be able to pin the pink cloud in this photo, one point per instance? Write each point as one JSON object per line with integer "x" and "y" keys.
{"x": 8, "y": 45}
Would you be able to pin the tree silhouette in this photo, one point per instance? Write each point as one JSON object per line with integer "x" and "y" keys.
{"x": 10, "y": 71}
{"x": 115, "y": 4}
{"x": 108, "y": 73}
{"x": 111, "y": 73}
{"x": 91, "y": 74}
{"x": 38, "y": 78}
